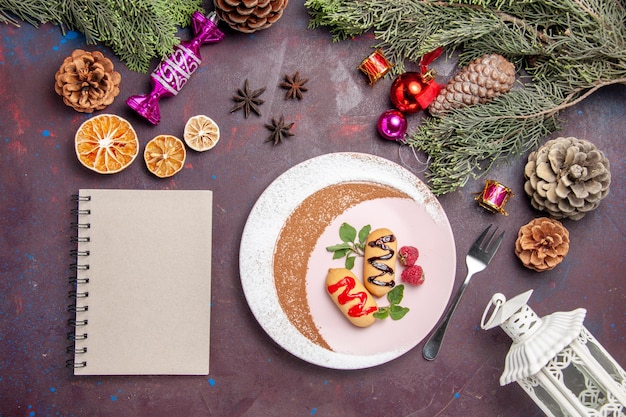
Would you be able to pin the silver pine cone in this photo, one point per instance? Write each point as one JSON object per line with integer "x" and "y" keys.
{"x": 480, "y": 81}
{"x": 567, "y": 177}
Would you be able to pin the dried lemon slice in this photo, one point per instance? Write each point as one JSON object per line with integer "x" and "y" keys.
{"x": 165, "y": 155}
{"x": 106, "y": 144}
{"x": 201, "y": 133}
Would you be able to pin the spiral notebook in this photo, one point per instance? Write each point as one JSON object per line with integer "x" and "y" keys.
{"x": 142, "y": 283}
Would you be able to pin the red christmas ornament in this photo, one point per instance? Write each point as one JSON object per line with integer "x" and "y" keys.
{"x": 405, "y": 91}
{"x": 414, "y": 91}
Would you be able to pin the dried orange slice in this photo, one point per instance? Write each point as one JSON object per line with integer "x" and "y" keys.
{"x": 106, "y": 143}
{"x": 165, "y": 155}
{"x": 201, "y": 133}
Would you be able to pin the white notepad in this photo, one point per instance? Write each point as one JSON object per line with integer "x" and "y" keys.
{"x": 143, "y": 275}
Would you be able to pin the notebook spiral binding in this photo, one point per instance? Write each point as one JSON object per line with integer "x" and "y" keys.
{"x": 78, "y": 291}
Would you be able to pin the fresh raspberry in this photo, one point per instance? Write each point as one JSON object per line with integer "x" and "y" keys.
{"x": 413, "y": 275}
{"x": 407, "y": 255}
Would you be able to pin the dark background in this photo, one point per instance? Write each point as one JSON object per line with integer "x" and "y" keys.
{"x": 250, "y": 374}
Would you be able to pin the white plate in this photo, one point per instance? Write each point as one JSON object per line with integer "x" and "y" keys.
{"x": 419, "y": 221}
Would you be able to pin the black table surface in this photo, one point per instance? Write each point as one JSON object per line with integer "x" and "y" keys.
{"x": 250, "y": 374}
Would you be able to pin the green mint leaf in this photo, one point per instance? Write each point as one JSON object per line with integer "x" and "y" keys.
{"x": 347, "y": 233}
{"x": 363, "y": 234}
{"x": 396, "y": 312}
{"x": 348, "y": 247}
{"x": 350, "y": 262}
{"x": 339, "y": 246}
{"x": 382, "y": 313}
{"x": 395, "y": 296}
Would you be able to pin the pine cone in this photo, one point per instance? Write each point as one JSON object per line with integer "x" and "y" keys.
{"x": 567, "y": 177}
{"x": 87, "y": 81}
{"x": 480, "y": 81}
{"x": 542, "y": 244}
{"x": 250, "y": 15}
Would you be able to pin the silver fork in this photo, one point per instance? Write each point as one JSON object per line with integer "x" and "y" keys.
{"x": 477, "y": 259}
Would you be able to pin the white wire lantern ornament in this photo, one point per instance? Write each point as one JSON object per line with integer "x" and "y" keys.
{"x": 557, "y": 361}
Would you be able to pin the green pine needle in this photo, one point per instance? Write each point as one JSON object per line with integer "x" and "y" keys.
{"x": 136, "y": 30}
{"x": 468, "y": 142}
{"x": 567, "y": 48}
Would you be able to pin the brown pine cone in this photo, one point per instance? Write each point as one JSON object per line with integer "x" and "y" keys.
{"x": 567, "y": 177}
{"x": 249, "y": 15}
{"x": 87, "y": 81}
{"x": 480, "y": 81}
{"x": 542, "y": 244}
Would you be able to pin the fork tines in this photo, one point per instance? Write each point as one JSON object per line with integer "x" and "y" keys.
{"x": 486, "y": 244}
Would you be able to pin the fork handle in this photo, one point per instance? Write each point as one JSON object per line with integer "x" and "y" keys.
{"x": 432, "y": 346}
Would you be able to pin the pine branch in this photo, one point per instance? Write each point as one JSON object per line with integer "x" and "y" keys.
{"x": 136, "y": 30}
{"x": 34, "y": 12}
{"x": 157, "y": 36}
{"x": 75, "y": 16}
{"x": 178, "y": 11}
{"x": 568, "y": 48}
{"x": 467, "y": 142}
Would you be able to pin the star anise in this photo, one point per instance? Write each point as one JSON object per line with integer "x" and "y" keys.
{"x": 295, "y": 86}
{"x": 280, "y": 130}
{"x": 248, "y": 100}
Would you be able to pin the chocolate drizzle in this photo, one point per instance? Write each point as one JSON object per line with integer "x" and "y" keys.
{"x": 384, "y": 269}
